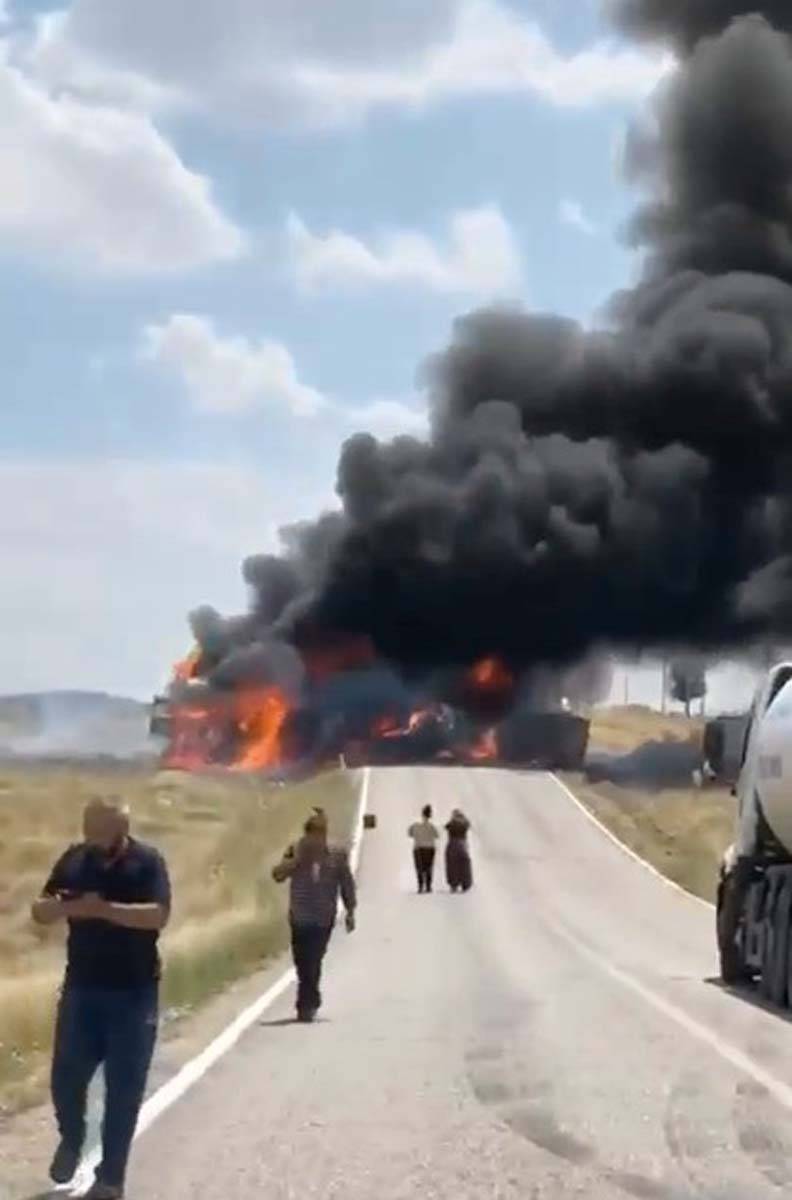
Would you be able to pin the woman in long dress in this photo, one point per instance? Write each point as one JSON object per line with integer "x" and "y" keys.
{"x": 459, "y": 870}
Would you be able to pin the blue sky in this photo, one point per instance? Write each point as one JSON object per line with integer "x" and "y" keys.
{"x": 229, "y": 243}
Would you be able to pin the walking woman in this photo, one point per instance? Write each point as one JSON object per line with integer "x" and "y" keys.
{"x": 424, "y": 838}
{"x": 459, "y": 871}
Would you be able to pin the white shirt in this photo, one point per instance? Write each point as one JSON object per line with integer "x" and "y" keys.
{"x": 424, "y": 835}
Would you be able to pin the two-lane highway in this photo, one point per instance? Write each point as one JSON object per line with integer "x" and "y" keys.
{"x": 554, "y": 1033}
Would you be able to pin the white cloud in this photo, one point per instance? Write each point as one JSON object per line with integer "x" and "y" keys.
{"x": 98, "y": 185}
{"x": 492, "y": 51}
{"x": 228, "y": 374}
{"x": 326, "y": 63}
{"x": 94, "y": 599}
{"x": 385, "y": 418}
{"x": 480, "y": 258}
{"x": 572, "y": 213}
{"x": 236, "y": 376}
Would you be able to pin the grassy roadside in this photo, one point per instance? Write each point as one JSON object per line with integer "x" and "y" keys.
{"x": 220, "y": 835}
{"x": 681, "y": 832}
{"x": 623, "y": 729}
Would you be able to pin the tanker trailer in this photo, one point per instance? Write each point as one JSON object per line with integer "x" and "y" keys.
{"x": 754, "y": 902}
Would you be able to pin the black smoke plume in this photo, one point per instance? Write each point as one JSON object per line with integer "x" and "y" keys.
{"x": 622, "y": 488}
{"x": 683, "y": 23}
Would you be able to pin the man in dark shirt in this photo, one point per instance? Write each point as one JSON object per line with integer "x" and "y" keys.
{"x": 114, "y": 892}
{"x": 319, "y": 874}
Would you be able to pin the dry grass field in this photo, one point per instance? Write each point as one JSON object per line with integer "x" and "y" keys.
{"x": 621, "y": 730}
{"x": 220, "y": 835}
{"x": 682, "y": 830}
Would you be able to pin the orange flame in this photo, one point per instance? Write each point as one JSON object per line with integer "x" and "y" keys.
{"x": 491, "y": 674}
{"x": 205, "y": 728}
{"x": 260, "y": 715}
{"x": 485, "y": 749}
{"x": 388, "y": 727}
{"x": 191, "y": 738}
{"x": 188, "y": 667}
{"x": 385, "y": 726}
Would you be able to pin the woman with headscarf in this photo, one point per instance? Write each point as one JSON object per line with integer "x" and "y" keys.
{"x": 459, "y": 871}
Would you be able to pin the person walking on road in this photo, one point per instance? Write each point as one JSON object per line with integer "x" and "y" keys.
{"x": 115, "y": 895}
{"x": 318, "y": 874}
{"x": 459, "y": 870}
{"x": 424, "y": 837}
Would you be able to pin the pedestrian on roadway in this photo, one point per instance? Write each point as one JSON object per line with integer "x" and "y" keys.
{"x": 318, "y": 875}
{"x": 424, "y": 838}
{"x": 115, "y": 895}
{"x": 459, "y": 870}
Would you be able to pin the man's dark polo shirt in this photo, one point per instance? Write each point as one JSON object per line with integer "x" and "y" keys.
{"x": 100, "y": 954}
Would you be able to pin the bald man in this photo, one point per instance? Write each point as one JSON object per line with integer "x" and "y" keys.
{"x": 115, "y": 895}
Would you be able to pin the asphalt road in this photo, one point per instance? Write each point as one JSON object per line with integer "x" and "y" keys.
{"x": 554, "y": 1033}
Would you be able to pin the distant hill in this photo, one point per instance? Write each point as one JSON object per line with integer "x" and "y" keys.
{"x": 73, "y": 724}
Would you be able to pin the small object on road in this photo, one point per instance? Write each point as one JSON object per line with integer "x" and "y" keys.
{"x": 370, "y": 821}
{"x": 424, "y": 838}
{"x": 459, "y": 869}
{"x": 318, "y": 874}
{"x": 115, "y": 894}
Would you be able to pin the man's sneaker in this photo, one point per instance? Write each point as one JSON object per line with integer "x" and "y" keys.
{"x": 64, "y": 1164}
{"x": 103, "y": 1191}
{"x": 306, "y": 1015}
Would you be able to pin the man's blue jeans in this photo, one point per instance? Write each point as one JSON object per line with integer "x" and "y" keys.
{"x": 117, "y": 1028}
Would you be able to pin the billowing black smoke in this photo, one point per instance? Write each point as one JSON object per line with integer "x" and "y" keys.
{"x": 628, "y": 488}
{"x": 683, "y": 23}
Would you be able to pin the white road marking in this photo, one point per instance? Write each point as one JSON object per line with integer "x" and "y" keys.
{"x": 357, "y": 836}
{"x": 161, "y": 1100}
{"x": 626, "y": 849}
{"x": 735, "y": 1057}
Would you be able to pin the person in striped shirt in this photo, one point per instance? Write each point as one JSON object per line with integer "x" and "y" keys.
{"x": 318, "y": 874}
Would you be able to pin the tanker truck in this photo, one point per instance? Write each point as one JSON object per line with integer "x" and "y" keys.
{"x": 754, "y": 899}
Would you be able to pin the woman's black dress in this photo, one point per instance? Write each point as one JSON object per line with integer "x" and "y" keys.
{"x": 459, "y": 870}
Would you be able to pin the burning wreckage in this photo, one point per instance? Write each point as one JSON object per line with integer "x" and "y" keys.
{"x": 624, "y": 486}
{"x": 366, "y": 715}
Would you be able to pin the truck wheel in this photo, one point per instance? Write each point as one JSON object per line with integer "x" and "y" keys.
{"x": 779, "y": 992}
{"x": 775, "y": 953}
{"x": 732, "y": 966}
{"x": 788, "y": 998}
{"x": 769, "y": 943}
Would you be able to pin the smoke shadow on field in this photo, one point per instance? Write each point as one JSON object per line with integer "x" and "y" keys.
{"x": 749, "y": 995}
{"x": 654, "y": 765}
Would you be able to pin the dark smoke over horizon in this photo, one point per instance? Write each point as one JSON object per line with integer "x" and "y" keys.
{"x": 588, "y": 490}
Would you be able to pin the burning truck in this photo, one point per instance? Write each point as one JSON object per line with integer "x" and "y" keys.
{"x": 361, "y": 709}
